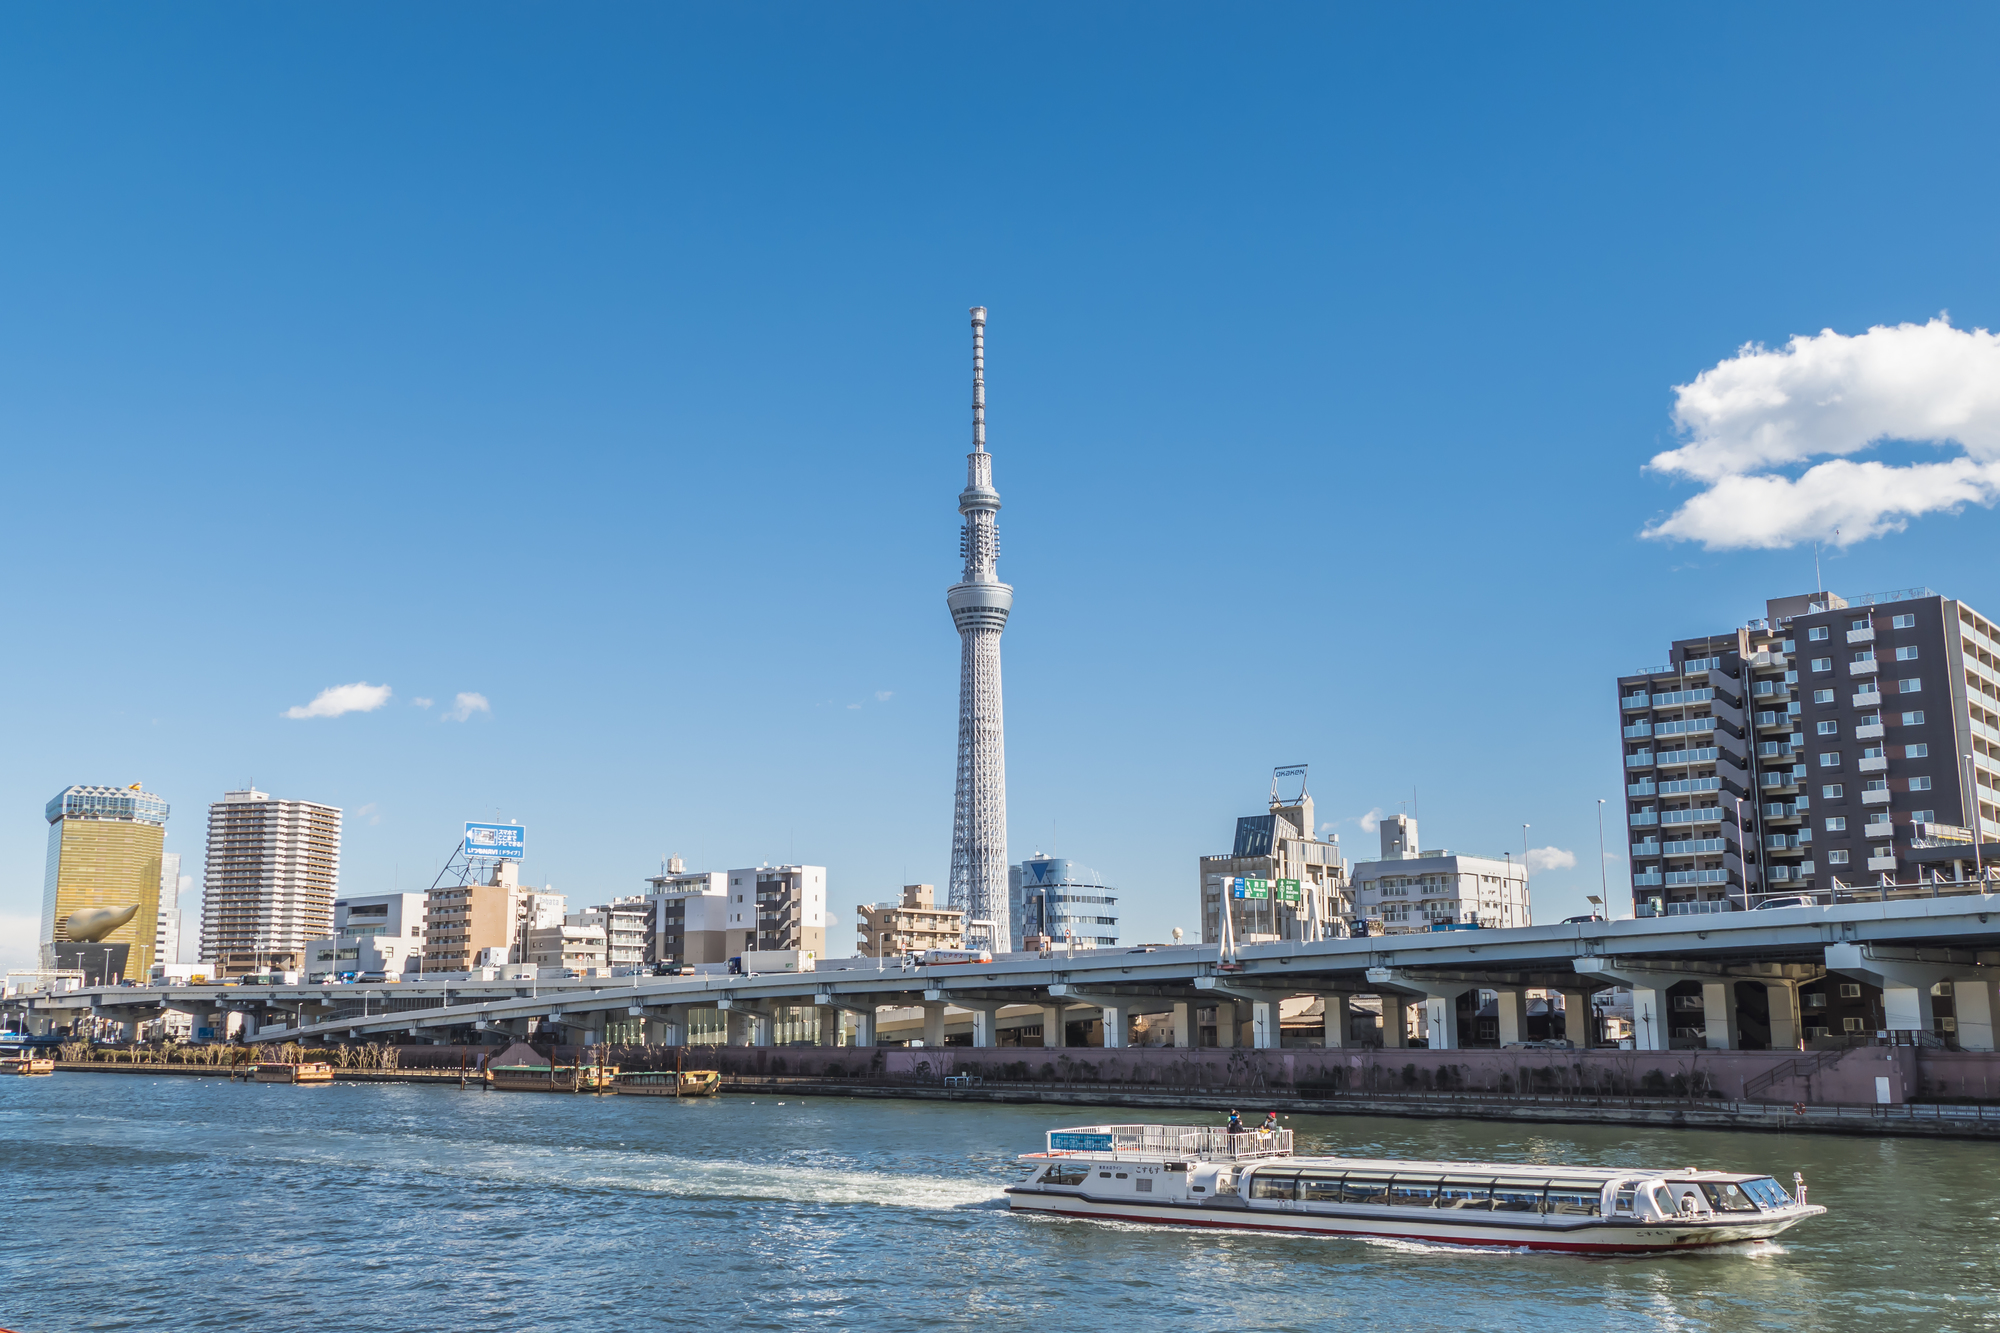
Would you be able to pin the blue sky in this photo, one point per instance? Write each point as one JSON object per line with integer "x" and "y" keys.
{"x": 610, "y": 363}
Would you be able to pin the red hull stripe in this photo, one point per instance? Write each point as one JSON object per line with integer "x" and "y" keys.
{"x": 1571, "y": 1246}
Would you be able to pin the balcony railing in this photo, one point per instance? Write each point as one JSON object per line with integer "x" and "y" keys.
{"x": 1866, "y": 667}
{"x": 1687, "y": 786}
{"x": 1676, "y": 698}
{"x": 1881, "y": 863}
{"x": 1879, "y": 828}
{"x": 1691, "y": 847}
{"x": 1679, "y": 758}
{"x": 1643, "y": 819}
{"x": 1875, "y": 797}
{"x": 1867, "y": 699}
{"x": 1708, "y": 814}
{"x": 1774, "y": 690}
{"x": 1638, "y": 731}
{"x": 1861, "y": 635}
{"x": 1643, "y": 759}
{"x": 1873, "y": 764}
{"x": 1870, "y": 732}
{"x": 1651, "y": 881}
{"x": 1631, "y": 701}
{"x": 1690, "y": 726}
{"x": 1645, "y": 849}
{"x": 1640, "y": 788}
{"x": 1680, "y": 877}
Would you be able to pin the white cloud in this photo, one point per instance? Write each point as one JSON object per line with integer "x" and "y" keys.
{"x": 1827, "y": 396}
{"x": 372, "y": 810}
{"x": 852, "y": 706}
{"x": 1370, "y": 821}
{"x": 1550, "y": 858}
{"x": 465, "y": 705}
{"x": 422, "y": 702}
{"x": 884, "y": 696}
{"x": 359, "y": 697}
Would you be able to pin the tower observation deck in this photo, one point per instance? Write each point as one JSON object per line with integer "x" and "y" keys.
{"x": 979, "y": 604}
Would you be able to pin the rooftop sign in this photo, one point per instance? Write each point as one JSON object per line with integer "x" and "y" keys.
{"x": 495, "y": 842}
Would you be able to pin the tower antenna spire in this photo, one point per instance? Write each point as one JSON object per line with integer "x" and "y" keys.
{"x": 980, "y": 603}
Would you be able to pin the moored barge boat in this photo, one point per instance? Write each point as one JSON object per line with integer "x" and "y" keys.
{"x": 552, "y": 1078}
{"x": 1190, "y": 1176}
{"x": 32, "y": 1066}
{"x": 670, "y": 1083}
{"x": 309, "y": 1071}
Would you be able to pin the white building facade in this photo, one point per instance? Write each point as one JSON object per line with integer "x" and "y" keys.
{"x": 1412, "y": 890}
{"x": 382, "y": 932}
{"x": 268, "y": 881}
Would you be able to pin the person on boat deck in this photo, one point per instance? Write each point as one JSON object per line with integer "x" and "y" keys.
{"x": 1235, "y": 1125}
{"x": 1270, "y": 1122}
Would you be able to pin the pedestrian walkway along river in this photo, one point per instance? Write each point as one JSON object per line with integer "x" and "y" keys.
{"x": 198, "y": 1204}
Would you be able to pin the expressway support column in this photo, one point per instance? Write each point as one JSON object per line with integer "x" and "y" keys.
{"x": 1512, "y": 1008}
{"x": 1577, "y": 1017}
{"x": 1053, "y": 1035}
{"x": 1652, "y": 1023}
{"x": 1782, "y": 1000}
{"x": 864, "y": 1026}
{"x": 1440, "y": 1000}
{"x": 1395, "y": 1020}
{"x": 828, "y": 1018}
{"x": 1718, "y": 1015}
{"x": 1186, "y": 1034}
{"x": 1267, "y": 1023}
{"x": 1906, "y": 980}
{"x": 1114, "y": 1016}
{"x": 1338, "y": 1016}
{"x": 934, "y": 1023}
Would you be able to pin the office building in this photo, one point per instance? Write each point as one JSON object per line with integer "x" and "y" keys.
{"x": 571, "y": 946}
{"x": 268, "y": 881}
{"x": 382, "y": 932}
{"x": 1413, "y": 889}
{"x": 167, "y": 934}
{"x": 536, "y": 911}
{"x": 980, "y": 604}
{"x": 1279, "y": 880}
{"x": 688, "y": 915}
{"x": 104, "y": 851}
{"x": 626, "y": 924}
{"x": 1052, "y": 900}
{"x": 1832, "y": 743}
{"x": 463, "y": 920}
{"x": 910, "y": 924}
{"x": 777, "y": 907}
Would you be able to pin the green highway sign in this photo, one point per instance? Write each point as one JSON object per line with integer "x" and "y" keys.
{"x": 1288, "y": 890}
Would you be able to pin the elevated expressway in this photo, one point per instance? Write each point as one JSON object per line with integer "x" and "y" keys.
{"x": 1904, "y": 947}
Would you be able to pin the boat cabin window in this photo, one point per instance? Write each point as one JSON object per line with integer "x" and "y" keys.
{"x": 1728, "y": 1197}
{"x": 1273, "y": 1185}
{"x": 1466, "y": 1194}
{"x": 1768, "y": 1192}
{"x": 1574, "y": 1198}
{"x": 1517, "y": 1196}
{"x": 1413, "y": 1193}
{"x": 1364, "y": 1189}
{"x": 1319, "y": 1189}
{"x": 1065, "y": 1173}
{"x": 1623, "y": 1200}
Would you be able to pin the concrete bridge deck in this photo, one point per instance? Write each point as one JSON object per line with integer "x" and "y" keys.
{"x": 1904, "y": 947}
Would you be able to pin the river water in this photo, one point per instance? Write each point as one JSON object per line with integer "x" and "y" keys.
{"x": 176, "y": 1203}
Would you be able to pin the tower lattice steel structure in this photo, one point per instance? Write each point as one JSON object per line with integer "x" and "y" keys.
{"x": 979, "y": 605}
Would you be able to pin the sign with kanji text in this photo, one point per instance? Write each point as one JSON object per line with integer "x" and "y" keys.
{"x": 1288, "y": 890}
{"x": 1256, "y": 888}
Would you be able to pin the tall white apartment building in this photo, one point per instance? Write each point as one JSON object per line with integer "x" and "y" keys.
{"x": 268, "y": 881}
{"x": 1412, "y": 890}
{"x": 167, "y": 933}
{"x": 709, "y": 916}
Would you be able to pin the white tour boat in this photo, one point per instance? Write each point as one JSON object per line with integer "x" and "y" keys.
{"x": 1190, "y": 1176}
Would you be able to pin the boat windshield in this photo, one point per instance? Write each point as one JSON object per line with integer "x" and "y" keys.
{"x": 1768, "y": 1192}
{"x": 1727, "y": 1197}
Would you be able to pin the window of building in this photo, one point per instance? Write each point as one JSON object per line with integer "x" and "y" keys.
{"x": 1850, "y": 1024}
{"x": 1861, "y": 623}
{"x": 1908, "y": 654}
{"x": 1916, "y": 751}
{"x": 1903, "y": 622}
{"x": 1910, "y": 684}
{"x": 1865, "y": 655}
{"x": 1923, "y": 816}
{"x": 1836, "y": 824}
{"x": 1822, "y": 696}
{"x": 1850, "y": 990}
{"x": 1829, "y": 759}
{"x": 1920, "y": 784}
{"x": 1822, "y": 664}
{"x": 1817, "y": 1000}
{"x": 1829, "y": 728}
{"x": 1832, "y": 791}
{"x": 1914, "y": 718}
{"x": 1836, "y": 857}
{"x": 1816, "y": 633}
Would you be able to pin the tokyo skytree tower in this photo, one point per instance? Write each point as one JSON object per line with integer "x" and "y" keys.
{"x": 979, "y": 605}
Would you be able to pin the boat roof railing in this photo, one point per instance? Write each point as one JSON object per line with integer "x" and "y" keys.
{"x": 1194, "y": 1143}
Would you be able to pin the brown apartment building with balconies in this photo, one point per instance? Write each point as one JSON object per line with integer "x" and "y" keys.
{"x": 1835, "y": 747}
